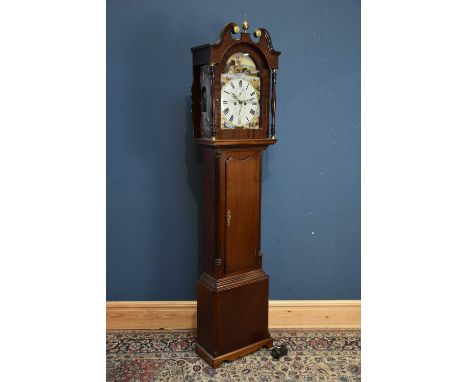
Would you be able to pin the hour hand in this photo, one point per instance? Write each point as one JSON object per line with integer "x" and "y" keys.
{"x": 232, "y": 94}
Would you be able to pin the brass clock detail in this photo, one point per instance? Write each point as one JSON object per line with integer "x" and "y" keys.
{"x": 233, "y": 112}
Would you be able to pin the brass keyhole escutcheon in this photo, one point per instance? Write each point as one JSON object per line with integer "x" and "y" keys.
{"x": 228, "y": 217}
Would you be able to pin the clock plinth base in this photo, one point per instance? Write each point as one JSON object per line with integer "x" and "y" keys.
{"x": 232, "y": 316}
{"x": 232, "y": 356}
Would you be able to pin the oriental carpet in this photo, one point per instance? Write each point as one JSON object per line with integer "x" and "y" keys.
{"x": 161, "y": 355}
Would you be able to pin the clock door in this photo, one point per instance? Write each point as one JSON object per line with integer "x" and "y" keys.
{"x": 242, "y": 227}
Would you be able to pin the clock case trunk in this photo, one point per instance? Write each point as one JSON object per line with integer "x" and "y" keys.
{"x": 232, "y": 292}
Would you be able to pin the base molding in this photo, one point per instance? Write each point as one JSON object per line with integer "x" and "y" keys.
{"x": 231, "y": 356}
{"x": 342, "y": 314}
{"x": 231, "y": 282}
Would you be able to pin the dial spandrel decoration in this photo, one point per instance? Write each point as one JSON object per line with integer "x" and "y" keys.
{"x": 240, "y": 93}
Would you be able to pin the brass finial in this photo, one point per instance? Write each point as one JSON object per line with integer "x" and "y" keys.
{"x": 245, "y": 24}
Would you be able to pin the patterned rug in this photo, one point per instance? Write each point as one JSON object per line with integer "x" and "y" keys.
{"x": 313, "y": 355}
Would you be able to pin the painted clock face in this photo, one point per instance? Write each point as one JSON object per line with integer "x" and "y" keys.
{"x": 240, "y": 93}
{"x": 239, "y": 103}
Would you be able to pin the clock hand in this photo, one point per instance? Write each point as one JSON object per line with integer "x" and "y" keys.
{"x": 235, "y": 97}
{"x": 240, "y": 108}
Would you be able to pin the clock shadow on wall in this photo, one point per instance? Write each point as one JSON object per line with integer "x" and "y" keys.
{"x": 193, "y": 160}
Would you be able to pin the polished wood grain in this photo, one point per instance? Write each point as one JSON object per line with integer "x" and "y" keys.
{"x": 243, "y": 210}
{"x": 337, "y": 314}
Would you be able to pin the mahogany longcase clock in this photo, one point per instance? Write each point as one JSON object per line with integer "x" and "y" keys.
{"x": 234, "y": 102}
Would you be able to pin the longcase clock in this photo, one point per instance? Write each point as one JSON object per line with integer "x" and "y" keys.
{"x": 234, "y": 104}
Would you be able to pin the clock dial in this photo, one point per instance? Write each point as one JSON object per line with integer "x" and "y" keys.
{"x": 239, "y": 103}
{"x": 240, "y": 93}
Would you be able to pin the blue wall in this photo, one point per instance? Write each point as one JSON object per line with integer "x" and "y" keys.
{"x": 311, "y": 177}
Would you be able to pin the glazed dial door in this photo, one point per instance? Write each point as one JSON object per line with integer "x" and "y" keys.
{"x": 240, "y": 93}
